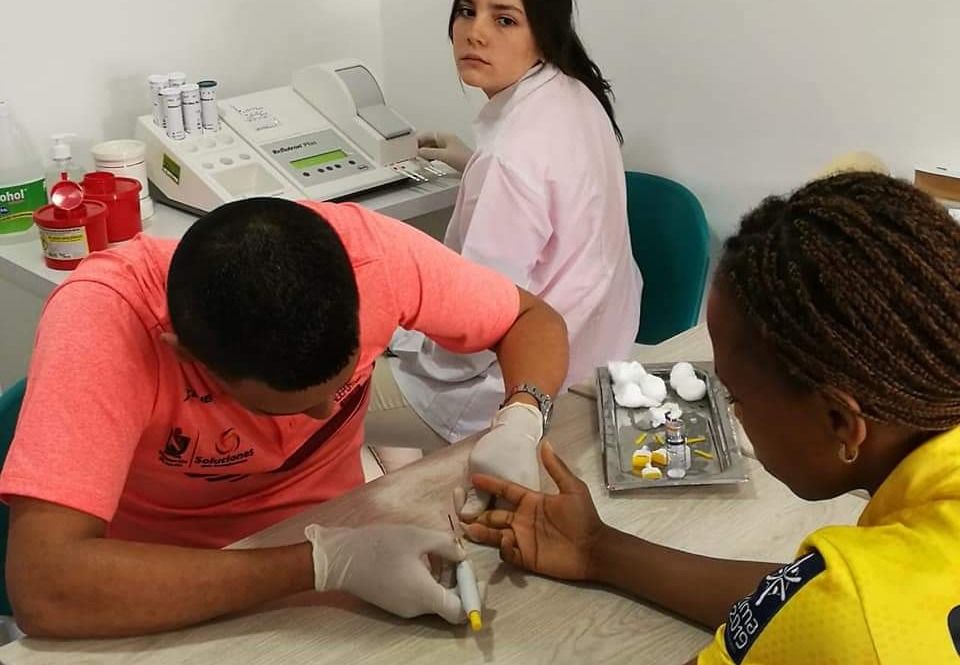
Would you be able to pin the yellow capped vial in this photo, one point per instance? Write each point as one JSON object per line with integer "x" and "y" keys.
{"x": 659, "y": 456}
{"x": 651, "y": 473}
{"x": 641, "y": 458}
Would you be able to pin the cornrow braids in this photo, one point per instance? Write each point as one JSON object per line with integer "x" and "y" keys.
{"x": 855, "y": 282}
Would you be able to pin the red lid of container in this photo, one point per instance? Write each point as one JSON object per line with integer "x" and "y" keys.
{"x": 128, "y": 187}
{"x": 66, "y": 195}
{"x": 100, "y": 183}
{"x": 52, "y": 217}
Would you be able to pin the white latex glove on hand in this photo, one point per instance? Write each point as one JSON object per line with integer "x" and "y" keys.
{"x": 447, "y": 148}
{"x": 387, "y": 566}
{"x": 508, "y": 451}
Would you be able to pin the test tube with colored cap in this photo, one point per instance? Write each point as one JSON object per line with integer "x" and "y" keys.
{"x": 469, "y": 589}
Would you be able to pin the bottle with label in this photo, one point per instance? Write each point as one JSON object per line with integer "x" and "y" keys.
{"x": 62, "y": 165}
{"x": 21, "y": 177}
{"x": 679, "y": 459}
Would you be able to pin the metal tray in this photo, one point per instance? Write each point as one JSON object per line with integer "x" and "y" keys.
{"x": 711, "y": 418}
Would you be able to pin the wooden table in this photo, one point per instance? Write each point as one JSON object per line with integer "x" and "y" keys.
{"x": 529, "y": 619}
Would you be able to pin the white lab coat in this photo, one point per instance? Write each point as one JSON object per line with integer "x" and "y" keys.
{"x": 543, "y": 201}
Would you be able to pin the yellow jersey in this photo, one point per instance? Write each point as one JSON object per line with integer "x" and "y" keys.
{"x": 885, "y": 591}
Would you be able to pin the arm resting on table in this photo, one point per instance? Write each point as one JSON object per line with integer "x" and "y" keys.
{"x": 699, "y": 588}
{"x": 66, "y": 580}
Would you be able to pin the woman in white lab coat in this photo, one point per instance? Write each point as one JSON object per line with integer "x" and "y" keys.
{"x": 542, "y": 200}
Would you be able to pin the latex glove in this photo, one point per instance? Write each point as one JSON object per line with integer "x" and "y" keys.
{"x": 507, "y": 451}
{"x": 447, "y": 148}
{"x": 387, "y": 566}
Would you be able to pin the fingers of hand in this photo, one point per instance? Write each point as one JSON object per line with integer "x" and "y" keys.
{"x": 509, "y": 551}
{"x": 500, "y": 488}
{"x": 482, "y": 534}
{"x": 476, "y": 502}
{"x": 442, "y": 544}
{"x": 566, "y": 481}
{"x": 497, "y": 519}
{"x": 444, "y": 602}
{"x": 433, "y": 154}
{"x": 428, "y": 140}
{"x": 459, "y": 499}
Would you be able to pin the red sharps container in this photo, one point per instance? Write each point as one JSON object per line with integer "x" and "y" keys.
{"x": 122, "y": 198}
{"x": 70, "y": 227}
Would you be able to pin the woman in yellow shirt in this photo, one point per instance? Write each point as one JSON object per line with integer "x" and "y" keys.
{"x": 835, "y": 320}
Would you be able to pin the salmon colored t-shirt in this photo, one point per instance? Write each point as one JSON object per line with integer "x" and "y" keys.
{"x": 114, "y": 425}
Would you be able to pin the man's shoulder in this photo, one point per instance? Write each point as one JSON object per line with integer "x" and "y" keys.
{"x": 134, "y": 273}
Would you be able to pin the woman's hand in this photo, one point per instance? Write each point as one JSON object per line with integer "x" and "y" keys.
{"x": 447, "y": 148}
{"x": 550, "y": 534}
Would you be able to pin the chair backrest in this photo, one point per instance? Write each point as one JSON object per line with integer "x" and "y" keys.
{"x": 10, "y": 402}
{"x": 671, "y": 244}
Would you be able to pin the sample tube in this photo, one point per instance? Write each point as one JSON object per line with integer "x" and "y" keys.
{"x": 208, "y": 106}
{"x": 177, "y": 79}
{"x": 679, "y": 459}
{"x": 190, "y": 98}
{"x": 173, "y": 112}
{"x": 157, "y": 83}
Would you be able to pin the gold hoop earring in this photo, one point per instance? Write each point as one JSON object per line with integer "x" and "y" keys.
{"x": 845, "y": 457}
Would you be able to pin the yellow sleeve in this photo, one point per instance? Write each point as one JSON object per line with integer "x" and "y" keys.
{"x": 807, "y": 612}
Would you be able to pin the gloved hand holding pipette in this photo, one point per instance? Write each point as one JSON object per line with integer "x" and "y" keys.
{"x": 386, "y": 566}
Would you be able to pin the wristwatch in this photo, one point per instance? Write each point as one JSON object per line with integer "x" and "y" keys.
{"x": 544, "y": 401}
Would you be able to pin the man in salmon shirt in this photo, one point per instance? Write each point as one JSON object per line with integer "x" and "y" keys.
{"x": 181, "y": 397}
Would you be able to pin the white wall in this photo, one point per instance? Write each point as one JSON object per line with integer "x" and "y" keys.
{"x": 735, "y": 98}
{"x": 82, "y": 66}
{"x": 420, "y": 77}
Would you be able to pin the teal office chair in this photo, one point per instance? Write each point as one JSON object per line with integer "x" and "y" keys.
{"x": 10, "y": 402}
{"x": 671, "y": 244}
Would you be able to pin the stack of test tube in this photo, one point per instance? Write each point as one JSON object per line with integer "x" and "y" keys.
{"x": 183, "y": 108}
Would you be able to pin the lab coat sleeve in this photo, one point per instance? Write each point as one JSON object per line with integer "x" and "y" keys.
{"x": 510, "y": 225}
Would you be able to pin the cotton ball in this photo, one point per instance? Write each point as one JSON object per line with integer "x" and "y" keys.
{"x": 635, "y": 373}
{"x": 658, "y": 415}
{"x": 691, "y": 389}
{"x": 673, "y": 410}
{"x": 654, "y": 388}
{"x": 626, "y": 372}
{"x": 679, "y": 372}
{"x": 630, "y": 396}
{"x": 616, "y": 369}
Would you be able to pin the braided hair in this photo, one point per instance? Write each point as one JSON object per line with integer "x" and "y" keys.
{"x": 855, "y": 282}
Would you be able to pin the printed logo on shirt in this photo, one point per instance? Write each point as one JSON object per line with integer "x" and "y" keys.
{"x": 222, "y": 461}
{"x": 953, "y": 624}
{"x": 751, "y": 615}
{"x": 175, "y": 448}
{"x": 228, "y": 452}
{"x": 229, "y": 442}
